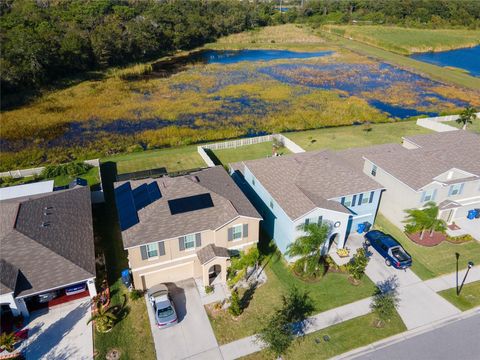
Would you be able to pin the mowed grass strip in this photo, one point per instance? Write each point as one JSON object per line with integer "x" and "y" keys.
{"x": 407, "y": 40}
{"x": 247, "y": 152}
{"x": 343, "y": 337}
{"x": 331, "y": 291}
{"x": 355, "y": 136}
{"x": 173, "y": 159}
{"x": 469, "y": 296}
{"x": 473, "y": 127}
{"x": 430, "y": 262}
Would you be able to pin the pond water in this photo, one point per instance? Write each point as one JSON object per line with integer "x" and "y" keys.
{"x": 467, "y": 59}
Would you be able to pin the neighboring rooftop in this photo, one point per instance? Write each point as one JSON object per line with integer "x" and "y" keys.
{"x": 49, "y": 239}
{"x": 203, "y": 200}
{"x": 302, "y": 182}
{"x": 436, "y": 154}
{"x": 17, "y": 191}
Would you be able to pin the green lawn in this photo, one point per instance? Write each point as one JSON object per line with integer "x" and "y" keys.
{"x": 332, "y": 291}
{"x": 443, "y": 74}
{"x": 473, "y": 127}
{"x": 430, "y": 262}
{"x": 469, "y": 296}
{"x": 173, "y": 159}
{"x": 131, "y": 335}
{"x": 344, "y": 337}
{"x": 91, "y": 176}
{"x": 407, "y": 40}
{"x": 247, "y": 152}
{"x": 355, "y": 136}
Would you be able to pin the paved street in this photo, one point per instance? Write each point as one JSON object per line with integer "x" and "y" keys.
{"x": 458, "y": 340}
{"x": 192, "y": 337}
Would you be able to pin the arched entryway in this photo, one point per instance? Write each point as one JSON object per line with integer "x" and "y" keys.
{"x": 333, "y": 240}
{"x": 213, "y": 273}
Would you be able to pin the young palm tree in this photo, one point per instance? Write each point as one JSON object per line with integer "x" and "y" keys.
{"x": 467, "y": 116}
{"x": 424, "y": 219}
{"x": 309, "y": 246}
{"x": 104, "y": 318}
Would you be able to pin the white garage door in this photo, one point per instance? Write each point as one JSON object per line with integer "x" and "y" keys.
{"x": 172, "y": 274}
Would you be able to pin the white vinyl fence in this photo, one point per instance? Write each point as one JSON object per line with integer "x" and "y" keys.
{"x": 435, "y": 123}
{"x": 289, "y": 144}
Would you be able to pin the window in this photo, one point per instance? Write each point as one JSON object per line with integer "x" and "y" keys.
{"x": 429, "y": 195}
{"x": 271, "y": 204}
{"x": 237, "y": 232}
{"x": 365, "y": 199}
{"x": 374, "y": 170}
{"x": 455, "y": 189}
{"x": 189, "y": 241}
{"x": 152, "y": 250}
{"x": 347, "y": 201}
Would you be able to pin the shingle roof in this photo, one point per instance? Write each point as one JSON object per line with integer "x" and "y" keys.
{"x": 301, "y": 182}
{"x": 210, "y": 252}
{"x": 8, "y": 277}
{"x": 437, "y": 154}
{"x": 58, "y": 253}
{"x": 156, "y": 221}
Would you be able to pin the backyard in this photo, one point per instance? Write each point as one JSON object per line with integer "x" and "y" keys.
{"x": 473, "y": 127}
{"x": 430, "y": 262}
{"x": 331, "y": 291}
{"x": 469, "y": 296}
{"x": 342, "y": 337}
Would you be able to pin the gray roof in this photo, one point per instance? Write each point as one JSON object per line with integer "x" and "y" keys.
{"x": 156, "y": 222}
{"x": 8, "y": 277}
{"x": 210, "y": 252}
{"x": 49, "y": 239}
{"x": 437, "y": 154}
{"x": 302, "y": 182}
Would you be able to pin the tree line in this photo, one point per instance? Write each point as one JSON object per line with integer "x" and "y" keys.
{"x": 45, "y": 40}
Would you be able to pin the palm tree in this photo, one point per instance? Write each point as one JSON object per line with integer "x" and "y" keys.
{"x": 104, "y": 318}
{"x": 8, "y": 341}
{"x": 467, "y": 116}
{"x": 309, "y": 246}
{"x": 424, "y": 219}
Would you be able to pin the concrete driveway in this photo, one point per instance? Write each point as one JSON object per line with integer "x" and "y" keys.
{"x": 60, "y": 333}
{"x": 419, "y": 304}
{"x": 192, "y": 337}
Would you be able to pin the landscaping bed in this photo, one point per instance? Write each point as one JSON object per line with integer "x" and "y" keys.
{"x": 428, "y": 240}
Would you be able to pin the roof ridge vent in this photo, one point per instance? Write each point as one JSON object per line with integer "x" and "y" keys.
{"x": 45, "y": 224}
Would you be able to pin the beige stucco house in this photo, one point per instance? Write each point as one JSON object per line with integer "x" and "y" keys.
{"x": 175, "y": 228}
{"x": 440, "y": 167}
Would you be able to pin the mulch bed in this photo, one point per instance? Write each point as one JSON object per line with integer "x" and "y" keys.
{"x": 427, "y": 241}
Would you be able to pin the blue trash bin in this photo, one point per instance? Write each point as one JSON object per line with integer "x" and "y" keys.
{"x": 471, "y": 214}
{"x": 360, "y": 228}
{"x": 367, "y": 226}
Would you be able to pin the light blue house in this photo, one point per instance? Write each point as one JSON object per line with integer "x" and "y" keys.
{"x": 320, "y": 186}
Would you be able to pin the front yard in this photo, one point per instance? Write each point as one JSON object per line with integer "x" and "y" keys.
{"x": 343, "y": 337}
{"x": 469, "y": 296}
{"x": 430, "y": 262}
{"x": 331, "y": 291}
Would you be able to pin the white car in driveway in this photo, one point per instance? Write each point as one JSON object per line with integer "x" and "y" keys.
{"x": 163, "y": 307}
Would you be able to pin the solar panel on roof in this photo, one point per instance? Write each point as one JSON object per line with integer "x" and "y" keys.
{"x": 127, "y": 213}
{"x": 141, "y": 197}
{"x": 190, "y": 203}
{"x": 154, "y": 192}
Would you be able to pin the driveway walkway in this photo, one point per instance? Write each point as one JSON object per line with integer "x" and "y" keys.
{"x": 192, "y": 337}
{"x": 419, "y": 304}
{"x": 61, "y": 333}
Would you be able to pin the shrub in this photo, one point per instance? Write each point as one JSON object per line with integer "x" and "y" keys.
{"x": 8, "y": 341}
{"x": 68, "y": 169}
{"x": 135, "y": 72}
{"x": 384, "y": 305}
{"x": 235, "y": 307}
{"x": 459, "y": 239}
{"x": 209, "y": 289}
{"x": 356, "y": 266}
{"x": 136, "y": 294}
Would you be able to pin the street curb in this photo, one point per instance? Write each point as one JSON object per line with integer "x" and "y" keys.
{"x": 407, "y": 335}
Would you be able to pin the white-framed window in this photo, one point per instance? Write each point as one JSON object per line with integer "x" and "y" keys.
{"x": 152, "y": 250}
{"x": 347, "y": 201}
{"x": 189, "y": 241}
{"x": 374, "y": 170}
{"x": 455, "y": 189}
{"x": 365, "y": 198}
{"x": 237, "y": 232}
{"x": 428, "y": 195}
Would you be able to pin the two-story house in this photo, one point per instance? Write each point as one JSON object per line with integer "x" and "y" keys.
{"x": 319, "y": 186}
{"x": 440, "y": 167}
{"x": 176, "y": 228}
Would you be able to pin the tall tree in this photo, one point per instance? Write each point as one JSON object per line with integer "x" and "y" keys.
{"x": 425, "y": 219}
{"x": 467, "y": 116}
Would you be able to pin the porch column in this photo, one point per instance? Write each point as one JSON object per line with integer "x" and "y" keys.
{"x": 21, "y": 307}
{"x": 206, "y": 279}
{"x": 92, "y": 290}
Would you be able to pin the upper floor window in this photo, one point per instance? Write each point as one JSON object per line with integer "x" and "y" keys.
{"x": 429, "y": 195}
{"x": 152, "y": 250}
{"x": 237, "y": 232}
{"x": 374, "y": 170}
{"x": 189, "y": 241}
{"x": 455, "y": 189}
{"x": 347, "y": 201}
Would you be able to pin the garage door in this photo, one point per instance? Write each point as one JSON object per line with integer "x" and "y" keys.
{"x": 172, "y": 274}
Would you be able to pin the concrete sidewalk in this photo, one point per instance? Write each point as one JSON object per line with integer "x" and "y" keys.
{"x": 449, "y": 281}
{"x": 249, "y": 345}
